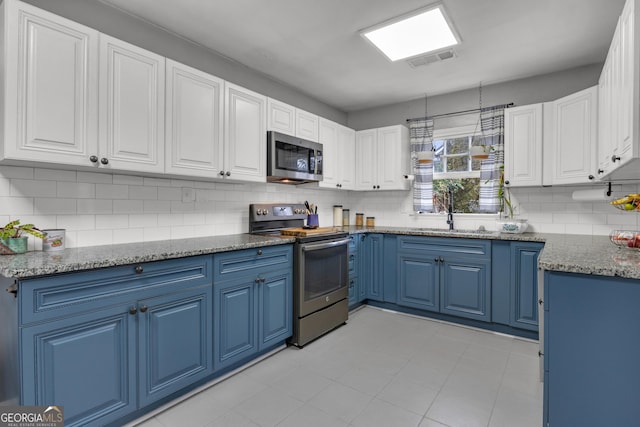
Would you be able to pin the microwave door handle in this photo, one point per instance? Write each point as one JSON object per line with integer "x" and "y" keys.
{"x": 325, "y": 245}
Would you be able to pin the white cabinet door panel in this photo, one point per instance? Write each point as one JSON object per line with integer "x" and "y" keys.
{"x": 282, "y": 117}
{"x": 523, "y": 146}
{"x": 51, "y": 95}
{"x": 331, "y": 154}
{"x": 306, "y": 125}
{"x": 366, "y": 159}
{"x": 132, "y": 101}
{"x": 245, "y": 134}
{"x": 347, "y": 157}
{"x": 194, "y": 119}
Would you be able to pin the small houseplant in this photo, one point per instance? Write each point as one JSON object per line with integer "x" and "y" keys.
{"x": 12, "y": 240}
{"x": 508, "y": 223}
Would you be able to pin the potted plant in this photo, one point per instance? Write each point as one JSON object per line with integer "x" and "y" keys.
{"x": 508, "y": 223}
{"x": 12, "y": 240}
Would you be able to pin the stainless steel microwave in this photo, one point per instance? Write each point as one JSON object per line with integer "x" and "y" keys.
{"x": 292, "y": 160}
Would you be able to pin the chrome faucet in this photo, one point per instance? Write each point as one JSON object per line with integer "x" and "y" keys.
{"x": 450, "y": 209}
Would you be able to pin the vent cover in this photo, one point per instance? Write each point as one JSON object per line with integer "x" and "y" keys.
{"x": 423, "y": 60}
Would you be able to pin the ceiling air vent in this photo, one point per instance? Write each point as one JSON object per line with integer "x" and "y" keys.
{"x": 420, "y": 61}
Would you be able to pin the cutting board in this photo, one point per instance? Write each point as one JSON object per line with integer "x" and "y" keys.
{"x": 304, "y": 232}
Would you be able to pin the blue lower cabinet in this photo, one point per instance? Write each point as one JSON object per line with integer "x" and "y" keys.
{"x": 176, "y": 342}
{"x": 524, "y": 279}
{"x": 276, "y": 309}
{"x": 419, "y": 282}
{"x": 251, "y": 314}
{"x": 466, "y": 288}
{"x": 373, "y": 266}
{"x": 592, "y": 350}
{"x": 86, "y": 363}
{"x": 235, "y": 325}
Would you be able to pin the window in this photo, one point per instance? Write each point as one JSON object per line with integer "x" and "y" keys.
{"x": 455, "y": 169}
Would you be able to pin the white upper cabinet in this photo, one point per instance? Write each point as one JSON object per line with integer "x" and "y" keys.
{"x": 194, "y": 122}
{"x": 245, "y": 136}
{"x": 347, "y": 157}
{"x": 570, "y": 138}
{"x": 382, "y": 158}
{"x": 619, "y": 91}
{"x": 50, "y": 80}
{"x": 281, "y": 117}
{"x": 293, "y": 121}
{"x": 131, "y": 112}
{"x": 338, "y": 155}
{"x": 306, "y": 125}
{"x": 523, "y": 146}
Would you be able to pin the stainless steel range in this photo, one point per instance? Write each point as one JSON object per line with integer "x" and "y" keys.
{"x": 320, "y": 283}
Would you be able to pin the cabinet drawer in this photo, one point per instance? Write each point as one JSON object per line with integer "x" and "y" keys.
{"x": 470, "y": 248}
{"x": 229, "y": 265}
{"x": 72, "y": 293}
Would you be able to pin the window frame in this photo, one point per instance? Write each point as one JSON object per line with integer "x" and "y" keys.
{"x": 469, "y": 131}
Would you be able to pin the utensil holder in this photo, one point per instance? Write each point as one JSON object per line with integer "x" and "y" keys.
{"x": 312, "y": 220}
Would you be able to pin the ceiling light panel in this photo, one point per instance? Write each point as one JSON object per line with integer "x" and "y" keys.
{"x": 422, "y": 31}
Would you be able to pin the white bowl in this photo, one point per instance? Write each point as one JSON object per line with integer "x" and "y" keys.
{"x": 510, "y": 225}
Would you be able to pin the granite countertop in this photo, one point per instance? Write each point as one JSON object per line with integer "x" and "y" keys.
{"x": 562, "y": 252}
{"x": 41, "y": 263}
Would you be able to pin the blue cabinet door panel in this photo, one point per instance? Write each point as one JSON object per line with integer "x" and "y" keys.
{"x": 84, "y": 363}
{"x": 276, "y": 300}
{"x": 592, "y": 350}
{"x": 419, "y": 282}
{"x": 235, "y": 322}
{"x": 524, "y": 278}
{"x": 374, "y": 266}
{"x": 465, "y": 289}
{"x": 500, "y": 282}
{"x": 178, "y": 342}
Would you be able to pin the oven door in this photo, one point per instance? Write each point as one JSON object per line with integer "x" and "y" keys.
{"x": 322, "y": 274}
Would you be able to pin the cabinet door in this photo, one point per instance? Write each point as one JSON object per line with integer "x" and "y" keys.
{"x": 50, "y": 106}
{"x": 374, "y": 266}
{"x": 366, "y": 159}
{"x": 281, "y": 117}
{"x": 176, "y": 342}
{"x": 131, "y": 107}
{"x": 606, "y": 108}
{"x": 86, "y": 363}
{"x": 245, "y": 134}
{"x": 235, "y": 322}
{"x": 194, "y": 119}
{"x": 466, "y": 288}
{"x": 591, "y": 350}
{"x": 331, "y": 154}
{"x": 571, "y": 137}
{"x": 523, "y": 145}
{"x": 276, "y": 308}
{"x": 306, "y": 125}
{"x": 393, "y": 158}
{"x": 627, "y": 96}
{"x": 524, "y": 282}
{"x": 347, "y": 158}
{"x": 419, "y": 281}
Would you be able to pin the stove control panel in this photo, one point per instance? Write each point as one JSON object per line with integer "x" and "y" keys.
{"x": 276, "y": 211}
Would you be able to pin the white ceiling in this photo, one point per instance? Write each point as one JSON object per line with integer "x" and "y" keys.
{"x": 315, "y": 46}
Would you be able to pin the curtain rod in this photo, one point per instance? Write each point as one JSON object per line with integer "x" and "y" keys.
{"x": 459, "y": 113}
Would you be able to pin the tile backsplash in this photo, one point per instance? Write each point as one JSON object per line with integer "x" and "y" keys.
{"x": 103, "y": 208}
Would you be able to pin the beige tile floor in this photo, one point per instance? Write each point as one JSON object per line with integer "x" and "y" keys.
{"x": 381, "y": 369}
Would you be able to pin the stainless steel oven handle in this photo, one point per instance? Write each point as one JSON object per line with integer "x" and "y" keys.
{"x": 324, "y": 245}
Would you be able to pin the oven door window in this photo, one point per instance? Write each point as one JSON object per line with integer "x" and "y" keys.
{"x": 324, "y": 271}
{"x": 294, "y": 158}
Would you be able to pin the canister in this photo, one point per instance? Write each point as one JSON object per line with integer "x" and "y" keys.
{"x": 345, "y": 217}
{"x": 359, "y": 219}
{"x": 337, "y": 215}
{"x": 371, "y": 221}
{"x": 53, "y": 240}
